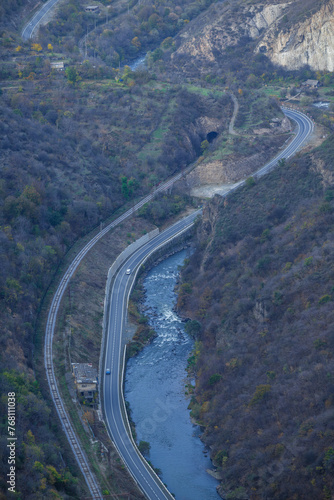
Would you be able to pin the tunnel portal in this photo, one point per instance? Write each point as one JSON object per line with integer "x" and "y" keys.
{"x": 211, "y": 136}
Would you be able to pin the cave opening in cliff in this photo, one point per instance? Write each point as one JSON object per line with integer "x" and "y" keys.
{"x": 211, "y": 136}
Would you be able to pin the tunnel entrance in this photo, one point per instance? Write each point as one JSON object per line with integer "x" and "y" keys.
{"x": 211, "y": 136}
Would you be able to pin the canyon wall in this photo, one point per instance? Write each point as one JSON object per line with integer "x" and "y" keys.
{"x": 290, "y": 34}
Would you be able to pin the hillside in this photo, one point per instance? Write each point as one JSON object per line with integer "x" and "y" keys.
{"x": 259, "y": 290}
{"x": 76, "y": 147}
{"x": 68, "y": 163}
{"x": 233, "y": 36}
{"x": 121, "y": 30}
{"x": 80, "y": 145}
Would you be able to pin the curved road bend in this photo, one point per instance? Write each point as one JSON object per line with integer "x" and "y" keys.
{"x": 148, "y": 482}
{"x": 305, "y": 127}
{"x": 114, "y": 407}
{"x": 29, "y": 28}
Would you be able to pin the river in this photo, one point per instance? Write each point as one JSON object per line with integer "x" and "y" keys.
{"x": 138, "y": 63}
{"x": 155, "y": 388}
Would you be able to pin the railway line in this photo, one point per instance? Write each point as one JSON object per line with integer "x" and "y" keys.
{"x": 305, "y": 127}
{"x": 63, "y": 416}
{"x": 49, "y": 334}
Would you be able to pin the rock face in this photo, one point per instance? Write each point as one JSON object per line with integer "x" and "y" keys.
{"x": 209, "y": 218}
{"x": 222, "y": 26}
{"x": 326, "y": 174}
{"x": 261, "y": 310}
{"x": 230, "y": 170}
{"x": 264, "y": 19}
{"x": 206, "y": 124}
{"x": 291, "y": 34}
{"x": 309, "y": 42}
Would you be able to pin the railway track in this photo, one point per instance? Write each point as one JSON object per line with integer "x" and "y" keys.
{"x": 48, "y": 346}
{"x": 62, "y": 413}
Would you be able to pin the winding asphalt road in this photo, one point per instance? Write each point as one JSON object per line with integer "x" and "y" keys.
{"x": 114, "y": 406}
{"x": 113, "y": 395}
{"x": 29, "y": 29}
{"x": 305, "y": 127}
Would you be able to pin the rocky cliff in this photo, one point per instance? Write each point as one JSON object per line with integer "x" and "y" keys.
{"x": 291, "y": 34}
{"x": 309, "y": 42}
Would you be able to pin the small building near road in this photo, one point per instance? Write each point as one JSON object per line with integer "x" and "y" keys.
{"x": 311, "y": 84}
{"x": 86, "y": 380}
{"x": 59, "y": 65}
{"x": 92, "y": 8}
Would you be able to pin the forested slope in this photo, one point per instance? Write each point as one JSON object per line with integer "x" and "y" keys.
{"x": 9, "y": 9}
{"x": 74, "y": 148}
{"x": 78, "y": 145}
{"x": 122, "y": 30}
{"x": 259, "y": 290}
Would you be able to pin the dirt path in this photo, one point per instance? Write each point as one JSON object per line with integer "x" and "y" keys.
{"x": 235, "y": 112}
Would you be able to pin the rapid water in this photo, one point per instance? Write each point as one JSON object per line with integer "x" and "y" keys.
{"x": 138, "y": 63}
{"x": 155, "y": 388}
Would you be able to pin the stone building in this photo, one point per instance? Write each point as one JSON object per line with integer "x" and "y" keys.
{"x": 86, "y": 380}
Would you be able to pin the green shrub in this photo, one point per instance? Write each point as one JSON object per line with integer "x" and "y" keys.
{"x": 144, "y": 447}
{"x": 250, "y": 182}
{"x": 221, "y": 457}
{"x": 308, "y": 261}
{"x": 259, "y": 394}
{"x": 214, "y": 379}
{"x": 324, "y": 299}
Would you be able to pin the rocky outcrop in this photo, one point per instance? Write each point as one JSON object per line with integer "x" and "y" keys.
{"x": 310, "y": 42}
{"x": 223, "y": 26}
{"x": 205, "y": 125}
{"x": 261, "y": 310}
{"x": 229, "y": 170}
{"x": 209, "y": 218}
{"x": 264, "y": 19}
{"x": 327, "y": 175}
{"x": 289, "y": 33}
